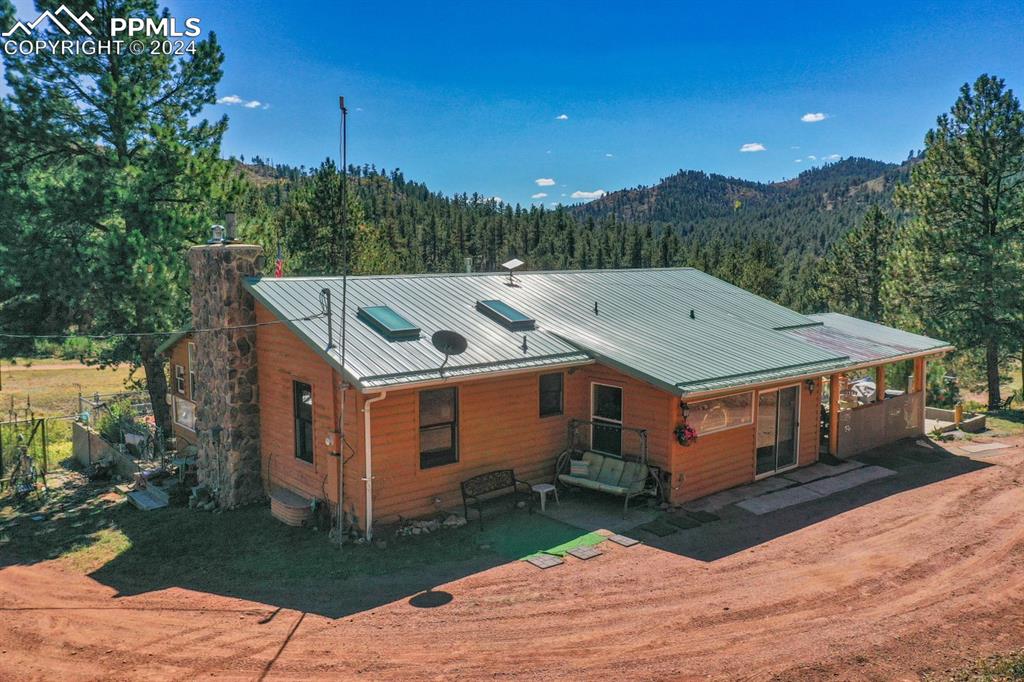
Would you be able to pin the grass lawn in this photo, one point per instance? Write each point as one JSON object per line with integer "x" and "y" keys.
{"x": 1003, "y": 668}
{"x": 1005, "y": 422}
{"x": 52, "y": 385}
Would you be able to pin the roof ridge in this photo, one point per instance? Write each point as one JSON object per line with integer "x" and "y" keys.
{"x": 425, "y": 275}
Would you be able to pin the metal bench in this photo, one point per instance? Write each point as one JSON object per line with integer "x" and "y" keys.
{"x": 492, "y": 488}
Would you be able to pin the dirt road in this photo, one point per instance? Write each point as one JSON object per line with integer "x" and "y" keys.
{"x": 899, "y": 582}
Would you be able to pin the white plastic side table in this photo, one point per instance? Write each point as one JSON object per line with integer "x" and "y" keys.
{"x": 543, "y": 489}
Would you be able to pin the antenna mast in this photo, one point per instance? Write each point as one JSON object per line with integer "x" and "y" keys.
{"x": 343, "y": 441}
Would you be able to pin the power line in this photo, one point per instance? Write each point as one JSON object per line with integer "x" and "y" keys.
{"x": 113, "y": 335}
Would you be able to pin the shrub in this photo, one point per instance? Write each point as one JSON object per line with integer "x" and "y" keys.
{"x": 120, "y": 418}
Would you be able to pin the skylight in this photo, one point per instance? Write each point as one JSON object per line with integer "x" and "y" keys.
{"x": 505, "y": 315}
{"x": 389, "y": 323}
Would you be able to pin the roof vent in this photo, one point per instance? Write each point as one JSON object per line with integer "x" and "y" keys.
{"x": 693, "y": 315}
{"x": 511, "y": 265}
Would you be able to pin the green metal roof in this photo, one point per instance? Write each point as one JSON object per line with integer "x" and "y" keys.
{"x": 173, "y": 339}
{"x": 638, "y": 321}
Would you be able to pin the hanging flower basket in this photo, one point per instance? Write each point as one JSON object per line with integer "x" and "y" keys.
{"x": 685, "y": 434}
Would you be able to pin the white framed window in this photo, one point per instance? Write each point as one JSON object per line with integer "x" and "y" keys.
{"x": 721, "y": 414}
{"x": 192, "y": 371}
{"x": 185, "y": 413}
{"x": 179, "y": 379}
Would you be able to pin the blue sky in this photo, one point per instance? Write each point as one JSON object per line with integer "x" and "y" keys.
{"x": 466, "y": 97}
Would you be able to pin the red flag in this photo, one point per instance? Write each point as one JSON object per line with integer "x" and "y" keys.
{"x": 279, "y": 263}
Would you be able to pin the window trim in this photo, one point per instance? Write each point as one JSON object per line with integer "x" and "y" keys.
{"x": 561, "y": 395}
{"x": 750, "y": 413}
{"x": 179, "y": 379}
{"x": 453, "y": 426}
{"x": 192, "y": 371}
{"x": 174, "y": 408}
{"x": 296, "y": 383}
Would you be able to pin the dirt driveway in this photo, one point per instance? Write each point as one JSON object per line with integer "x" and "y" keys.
{"x": 914, "y": 574}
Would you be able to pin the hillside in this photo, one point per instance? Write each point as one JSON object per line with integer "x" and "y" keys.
{"x": 801, "y": 215}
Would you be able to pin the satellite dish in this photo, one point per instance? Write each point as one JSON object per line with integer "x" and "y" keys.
{"x": 510, "y": 266}
{"x": 450, "y": 343}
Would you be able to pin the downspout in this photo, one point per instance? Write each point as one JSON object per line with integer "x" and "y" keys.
{"x": 367, "y": 439}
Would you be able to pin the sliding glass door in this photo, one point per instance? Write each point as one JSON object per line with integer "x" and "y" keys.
{"x": 778, "y": 422}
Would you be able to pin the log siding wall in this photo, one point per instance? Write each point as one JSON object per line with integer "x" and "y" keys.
{"x": 499, "y": 427}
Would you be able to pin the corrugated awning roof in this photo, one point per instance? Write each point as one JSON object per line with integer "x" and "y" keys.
{"x": 864, "y": 341}
{"x": 642, "y": 326}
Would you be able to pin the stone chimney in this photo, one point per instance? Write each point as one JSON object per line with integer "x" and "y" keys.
{"x": 227, "y": 402}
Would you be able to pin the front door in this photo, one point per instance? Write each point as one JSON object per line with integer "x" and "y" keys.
{"x": 778, "y": 422}
{"x": 606, "y": 415}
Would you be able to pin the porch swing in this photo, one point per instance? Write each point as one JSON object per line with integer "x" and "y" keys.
{"x": 626, "y": 475}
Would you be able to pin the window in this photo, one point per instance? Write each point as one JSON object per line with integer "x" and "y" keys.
{"x": 550, "y": 394}
{"x": 505, "y": 315}
{"x": 302, "y": 406}
{"x": 192, "y": 371}
{"x": 606, "y": 413}
{"x": 185, "y": 413}
{"x": 179, "y": 379}
{"x": 720, "y": 414}
{"x": 439, "y": 427}
{"x": 388, "y": 323}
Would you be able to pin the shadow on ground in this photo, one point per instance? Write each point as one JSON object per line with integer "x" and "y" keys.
{"x": 917, "y": 463}
{"x": 247, "y": 554}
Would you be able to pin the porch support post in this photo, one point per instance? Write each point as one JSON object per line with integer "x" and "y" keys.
{"x": 879, "y": 383}
{"x": 920, "y": 368}
{"x": 833, "y": 414}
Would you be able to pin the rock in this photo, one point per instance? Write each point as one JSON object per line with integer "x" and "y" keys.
{"x": 381, "y": 544}
{"x": 520, "y": 505}
{"x": 454, "y": 521}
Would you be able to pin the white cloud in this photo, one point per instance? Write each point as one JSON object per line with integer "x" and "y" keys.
{"x": 588, "y": 196}
{"x": 235, "y": 100}
{"x": 610, "y": 156}
{"x": 798, "y": 160}
{"x": 833, "y": 157}
{"x": 538, "y": 195}
{"x": 813, "y": 117}
{"x": 496, "y": 199}
{"x": 753, "y": 147}
{"x": 562, "y": 117}
{"x": 544, "y": 182}
{"x": 812, "y": 157}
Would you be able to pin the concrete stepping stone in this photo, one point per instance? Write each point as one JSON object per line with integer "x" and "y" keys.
{"x": 983, "y": 447}
{"x": 819, "y": 470}
{"x": 623, "y": 540}
{"x": 584, "y": 553}
{"x": 852, "y": 479}
{"x": 779, "y": 500}
{"x": 545, "y": 561}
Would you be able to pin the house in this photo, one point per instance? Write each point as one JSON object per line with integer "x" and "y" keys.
{"x": 395, "y": 428}
{"x": 180, "y": 350}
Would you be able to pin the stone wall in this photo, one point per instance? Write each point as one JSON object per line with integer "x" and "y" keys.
{"x": 227, "y": 400}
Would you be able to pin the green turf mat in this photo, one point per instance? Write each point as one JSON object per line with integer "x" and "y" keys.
{"x": 683, "y": 521}
{"x": 701, "y": 516}
{"x": 659, "y": 527}
{"x": 519, "y": 535}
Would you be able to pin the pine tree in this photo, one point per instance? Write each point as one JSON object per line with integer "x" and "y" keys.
{"x": 117, "y": 177}
{"x": 853, "y": 272}
{"x": 960, "y": 266}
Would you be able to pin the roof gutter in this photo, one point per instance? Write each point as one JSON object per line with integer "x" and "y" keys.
{"x": 424, "y": 383}
{"x": 368, "y": 454}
